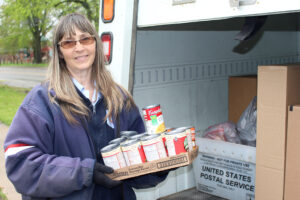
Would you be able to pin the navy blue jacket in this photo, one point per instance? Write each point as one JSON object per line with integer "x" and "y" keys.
{"x": 49, "y": 158}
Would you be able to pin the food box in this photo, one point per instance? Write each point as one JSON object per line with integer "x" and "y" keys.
{"x": 241, "y": 90}
{"x": 292, "y": 172}
{"x": 278, "y": 87}
{"x": 180, "y": 160}
{"x": 225, "y": 169}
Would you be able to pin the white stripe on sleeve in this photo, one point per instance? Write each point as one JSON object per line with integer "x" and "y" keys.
{"x": 14, "y": 150}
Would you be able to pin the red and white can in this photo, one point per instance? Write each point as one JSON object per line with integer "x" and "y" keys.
{"x": 118, "y": 140}
{"x": 153, "y": 147}
{"x": 193, "y": 136}
{"x": 188, "y": 132}
{"x": 176, "y": 142}
{"x": 128, "y": 134}
{"x": 113, "y": 156}
{"x": 138, "y": 136}
{"x": 163, "y": 137}
{"x": 154, "y": 119}
{"x": 133, "y": 152}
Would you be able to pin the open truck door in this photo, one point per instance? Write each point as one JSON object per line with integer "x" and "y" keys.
{"x": 180, "y": 54}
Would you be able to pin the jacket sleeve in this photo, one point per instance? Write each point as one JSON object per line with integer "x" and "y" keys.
{"x": 31, "y": 164}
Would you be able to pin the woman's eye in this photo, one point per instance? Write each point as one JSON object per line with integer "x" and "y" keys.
{"x": 69, "y": 42}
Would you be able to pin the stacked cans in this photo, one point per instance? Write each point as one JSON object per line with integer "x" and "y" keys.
{"x": 157, "y": 143}
{"x": 180, "y": 140}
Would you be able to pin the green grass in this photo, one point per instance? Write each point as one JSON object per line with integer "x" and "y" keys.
{"x": 24, "y": 65}
{"x": 10, "y": 100}
{"x": 2, "y": 196}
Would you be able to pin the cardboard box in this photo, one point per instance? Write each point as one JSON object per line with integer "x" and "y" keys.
{"x": 241, "y": 90}
{"x": 180, "y": 160}
{"x": 292, "y": 174}
{"x": 278, "y": 87}
{"x": 225, "y": 169}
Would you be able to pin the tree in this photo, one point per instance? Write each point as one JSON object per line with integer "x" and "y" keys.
{"x": 28, "y": 15}
{"x": 90, "y": 8}
{"x": 25, "y": 22}
{"x": 13, "y": 36}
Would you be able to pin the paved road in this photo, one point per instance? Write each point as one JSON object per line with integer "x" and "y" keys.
{"x": 26, "y": 77}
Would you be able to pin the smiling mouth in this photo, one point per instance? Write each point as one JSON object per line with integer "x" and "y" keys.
{"x": 81, "y": 57}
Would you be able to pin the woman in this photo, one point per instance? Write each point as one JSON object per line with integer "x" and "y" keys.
{"x": 53, "y": 145}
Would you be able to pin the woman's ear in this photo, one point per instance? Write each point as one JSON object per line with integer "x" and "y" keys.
{"x": 60, "y": 54}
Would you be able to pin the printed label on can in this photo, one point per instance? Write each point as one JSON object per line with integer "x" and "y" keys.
{"x": 114, "y": 158}
{"x": 154, "y": 149}
{"x": 176, "y": 143}
{"x": 163, "y": 137}
{"x": 154, "y": 119}
{"x": 193, "y": 135}
{"x": 189, "y": 139}
{"x": 134, "y": 154}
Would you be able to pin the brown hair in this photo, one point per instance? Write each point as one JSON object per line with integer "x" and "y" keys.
{"x": 66, "y": 96}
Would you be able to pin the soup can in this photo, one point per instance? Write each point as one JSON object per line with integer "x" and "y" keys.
{"x": 175, "y": 142}
{"x": 113, "y": 156}
{"x": 133, "y": 152}
{"x": 153, "y": 147}
{"x": 138, "y": 136}
{"x": 193, "y": 136}
{"x": 154, "y": 119}
{"x": 118, "y": 140}
{"x": 128, "y": 134}
{"x": 189, "y": 142}
{"x": 163, "y": 137}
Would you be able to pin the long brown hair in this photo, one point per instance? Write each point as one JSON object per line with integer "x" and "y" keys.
{"x": 66, "y": 96}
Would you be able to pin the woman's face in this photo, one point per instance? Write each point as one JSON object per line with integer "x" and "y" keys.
{"x": 80, "y": 57}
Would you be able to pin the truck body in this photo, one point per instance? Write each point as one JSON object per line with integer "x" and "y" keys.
{"x": 180, "y": 53}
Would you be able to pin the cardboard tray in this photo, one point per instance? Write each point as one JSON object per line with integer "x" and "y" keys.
{"x": 180, "y": 160}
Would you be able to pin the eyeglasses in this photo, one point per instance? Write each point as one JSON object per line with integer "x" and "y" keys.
{"x": 67, "y": 44}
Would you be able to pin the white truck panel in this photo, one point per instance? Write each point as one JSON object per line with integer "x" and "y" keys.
{"x": 186, "y": 68}
{"x": 122, "y": 33}
{"x": 163, "y": 12}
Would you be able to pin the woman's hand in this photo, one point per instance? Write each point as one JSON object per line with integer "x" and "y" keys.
{"x": 100, "y": 178}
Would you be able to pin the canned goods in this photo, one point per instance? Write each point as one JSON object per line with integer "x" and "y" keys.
{"x": 118, "y": 140}
{"x": 138, "y": 136}
{"x": 176, "y": 142}
{"x": 153, "y": 147}
{"x": 193, "y": 136}
{"x": 154, "y": 119}
{"x": 188, "y": 136}
{"x": 128, "y": 134}
{"x": 113, "y": 156}
{"x": 163, "y": 137}
{"x": 133, "y": 152}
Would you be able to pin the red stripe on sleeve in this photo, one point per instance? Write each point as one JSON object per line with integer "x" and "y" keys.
{"x": 15, "y": 145}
